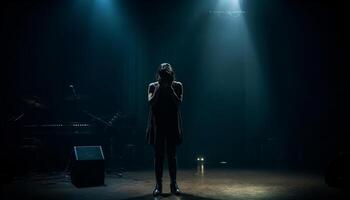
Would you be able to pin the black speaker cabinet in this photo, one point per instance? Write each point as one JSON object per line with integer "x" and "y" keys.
{"x": 88, "y": 167}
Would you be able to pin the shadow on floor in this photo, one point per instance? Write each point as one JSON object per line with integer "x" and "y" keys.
{"x": 170, "y": 197}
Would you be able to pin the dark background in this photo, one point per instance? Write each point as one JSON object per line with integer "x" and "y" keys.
{"x": 263, "y": 87}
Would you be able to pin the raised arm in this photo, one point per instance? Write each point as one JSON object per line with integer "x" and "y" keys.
{"x": 152, "y": 93}
{"x": 177, "y": 93}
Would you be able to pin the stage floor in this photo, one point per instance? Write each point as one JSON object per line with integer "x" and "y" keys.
{"x": 225, "y": 184}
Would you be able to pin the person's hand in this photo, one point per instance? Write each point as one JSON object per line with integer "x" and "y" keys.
{"x": 172, "y": 87}
{"x": 156, "y": 87}
{"x": 153, "y": 93}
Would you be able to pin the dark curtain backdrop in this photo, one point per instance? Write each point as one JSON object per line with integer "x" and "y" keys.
{"x": 267, "y": 84}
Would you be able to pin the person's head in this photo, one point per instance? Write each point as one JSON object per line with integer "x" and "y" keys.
{"x": 165, "y": 73}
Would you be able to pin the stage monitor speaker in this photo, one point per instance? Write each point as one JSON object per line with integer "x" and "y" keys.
{"x": 88, "y": 168}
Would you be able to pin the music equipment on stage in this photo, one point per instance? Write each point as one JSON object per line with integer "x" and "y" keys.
{"x": 34, "y": 102}
{"x": 88, "y": 167}
{"x": 57, "y": 141}
{"x": 59, "y": 126}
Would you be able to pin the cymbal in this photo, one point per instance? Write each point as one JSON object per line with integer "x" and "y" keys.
{"x": 35, "y": 102}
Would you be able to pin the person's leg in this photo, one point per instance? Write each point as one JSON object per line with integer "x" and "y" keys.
{"x": 172, "y": 164}
{"x": 158, "y": 161}
{"x": 158, "y": 166}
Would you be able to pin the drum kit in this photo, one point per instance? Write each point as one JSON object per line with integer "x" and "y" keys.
{"x": 86, "y": 128}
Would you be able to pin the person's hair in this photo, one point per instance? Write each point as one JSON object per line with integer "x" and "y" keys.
{"x": 165, "y": 71}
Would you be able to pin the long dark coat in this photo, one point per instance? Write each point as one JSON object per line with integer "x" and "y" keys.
{"x": 174, "y": 129}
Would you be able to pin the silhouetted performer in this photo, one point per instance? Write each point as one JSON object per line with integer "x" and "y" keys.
{"x": 164, "y": 129}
